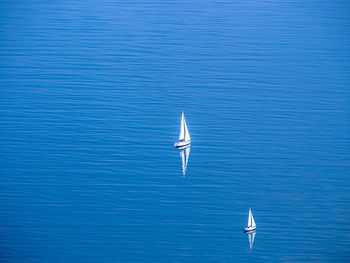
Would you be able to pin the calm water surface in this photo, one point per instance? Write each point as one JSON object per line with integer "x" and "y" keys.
{"x": 91, "y": 98}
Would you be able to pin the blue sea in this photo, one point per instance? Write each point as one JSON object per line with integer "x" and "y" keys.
{"x": 91, "y": 96}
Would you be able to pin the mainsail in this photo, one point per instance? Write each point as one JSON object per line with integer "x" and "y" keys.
{"x": 184, "y": 135}
{"x": 182, "y": 128}
{"x": 249, "y": 218}
{"x": 251, "y": 222}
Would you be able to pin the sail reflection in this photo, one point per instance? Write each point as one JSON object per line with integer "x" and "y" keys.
{"x": 185, "y": 154}
{"x": 251, "y": 237}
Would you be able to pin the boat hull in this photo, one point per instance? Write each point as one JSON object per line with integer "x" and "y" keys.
{"x": 249, "y": 229}
{"x": 182, "y": 144}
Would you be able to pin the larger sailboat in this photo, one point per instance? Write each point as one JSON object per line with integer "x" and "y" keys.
{"x": 184, "y": 137}
{"x": 251, "y": 223}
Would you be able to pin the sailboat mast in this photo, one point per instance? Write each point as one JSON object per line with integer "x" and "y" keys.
{"x": 182, "y": 128}
{"x": 184, "y": 125}
{"x": 250, "y": 218}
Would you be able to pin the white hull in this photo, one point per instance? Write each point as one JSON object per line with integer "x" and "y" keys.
{"x": 248, "y": 229}
{"x": 182, "y": 144}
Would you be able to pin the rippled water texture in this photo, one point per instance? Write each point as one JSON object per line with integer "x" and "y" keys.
{"x": 91, "y": 99}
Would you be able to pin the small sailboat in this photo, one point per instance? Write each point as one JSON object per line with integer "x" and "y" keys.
{"x": 251, "y": 223}
{"x": 251, "y": 237}
{"x": 184, "y": 137}
{"x": 185, "y": 155}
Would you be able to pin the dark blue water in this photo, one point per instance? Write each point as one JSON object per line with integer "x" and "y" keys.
{"x": 90, "y": 104}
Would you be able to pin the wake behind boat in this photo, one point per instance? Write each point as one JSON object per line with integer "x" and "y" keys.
{"x": 184, "y": 137}
{"x": 251, "y": 223}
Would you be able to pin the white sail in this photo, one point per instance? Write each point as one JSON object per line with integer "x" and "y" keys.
{"x": 184, "y": 137}
{"x": 251, "y": 223}
{"x": 252, "y": 220}
{"x": 187, "y": 135}
{"x": 182, "y": 128}
{"x": 251, "y": 237}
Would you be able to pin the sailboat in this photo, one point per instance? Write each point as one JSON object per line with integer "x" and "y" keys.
{"x": 184, "y": 137}
{"x": 185, "y": 154}
{"x": 251, "y": 237}
{"x": 251, "y": 223}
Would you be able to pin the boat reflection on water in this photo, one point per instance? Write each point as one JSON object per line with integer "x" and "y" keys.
{"x": 185, "y": 154}
{"x": 251, "y": 237}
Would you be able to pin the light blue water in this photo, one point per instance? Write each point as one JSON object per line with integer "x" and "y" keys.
{"x": 91, "y": 98}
